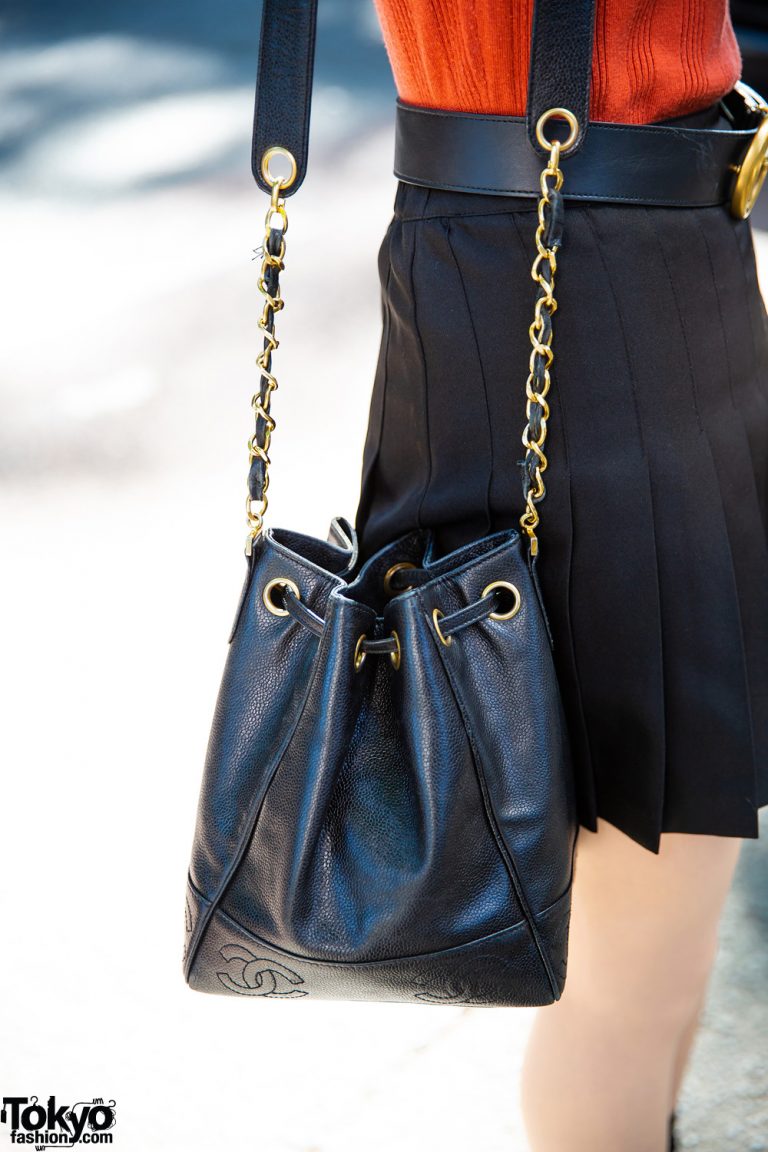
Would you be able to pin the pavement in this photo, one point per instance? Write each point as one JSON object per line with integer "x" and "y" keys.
{"x": 126, "y": 369}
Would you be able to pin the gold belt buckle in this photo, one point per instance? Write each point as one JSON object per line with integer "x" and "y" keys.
{"x": 751, "y": 173}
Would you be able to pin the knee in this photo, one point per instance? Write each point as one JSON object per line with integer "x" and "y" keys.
{"x": 655, "y": 982}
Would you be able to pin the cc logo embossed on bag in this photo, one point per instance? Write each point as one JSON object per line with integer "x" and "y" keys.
{"x": 256, "y": 976}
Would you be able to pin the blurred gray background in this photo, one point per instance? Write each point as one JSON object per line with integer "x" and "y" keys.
{"x": 129, "y": 306}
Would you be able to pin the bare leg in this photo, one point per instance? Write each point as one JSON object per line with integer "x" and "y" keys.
{"x": 603, "y": 1065}
{"x": 684, "y": 1049}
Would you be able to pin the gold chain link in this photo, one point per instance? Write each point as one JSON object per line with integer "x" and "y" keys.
{"x": 256, "y": 508}
{"x": 541, "y": 347}
{"x": 260, "y": 401}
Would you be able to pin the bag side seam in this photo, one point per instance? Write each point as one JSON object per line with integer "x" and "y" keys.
{"x": 384, "y": 960}
{"x": 503, "y": 848}
{"x": 250, "y": 824}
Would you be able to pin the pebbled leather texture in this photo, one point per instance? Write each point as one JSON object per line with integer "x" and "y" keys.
{"x": 560, "y": 65}
{"x": 387, "y": 834}
{"x": 284, "y": 84}
{"x": 627, "y": 163}
{"x": 502, "y": 969}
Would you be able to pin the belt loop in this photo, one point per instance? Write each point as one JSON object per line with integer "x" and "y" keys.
{"x": 423, "y": 200}
{"x": 413, "y": 200}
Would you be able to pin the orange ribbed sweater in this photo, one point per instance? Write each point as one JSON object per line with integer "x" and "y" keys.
{"x": 652, "y": 58}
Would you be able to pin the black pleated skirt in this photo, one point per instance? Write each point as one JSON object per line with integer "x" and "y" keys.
{"x": 654, "y": 527}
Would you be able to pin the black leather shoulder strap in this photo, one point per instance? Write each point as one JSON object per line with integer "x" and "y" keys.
{"x": 560, "y": 71}
{"x": 284, "y": 84}
{"x": 561, "y": 63}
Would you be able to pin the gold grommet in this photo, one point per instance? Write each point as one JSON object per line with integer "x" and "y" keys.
{"x": 266, "y": 595}
{"x": 282, "y": 182}
{"x": 510, "y": 588}
{"x": 360, "y": 655}
{"x": 395, "y": 656}
{"x": 559, "y": 113}
{"x": 447, "y": 640}
{"x": 390, "y": 573}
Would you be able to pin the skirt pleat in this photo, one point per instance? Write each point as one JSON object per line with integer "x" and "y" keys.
{"x": 708, "y": 738}
{"x": 654, "y": 550}
{"x": 747, "y": 341}
{"x": 458, "y": 422}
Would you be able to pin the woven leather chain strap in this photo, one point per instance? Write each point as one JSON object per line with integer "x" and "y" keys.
{"x": 562, "y": 31}
{"x": 549, "y": 234}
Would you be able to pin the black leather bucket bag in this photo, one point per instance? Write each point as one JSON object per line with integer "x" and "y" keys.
{"x": 386, "y": 811}
{"x": 396, "y": 829}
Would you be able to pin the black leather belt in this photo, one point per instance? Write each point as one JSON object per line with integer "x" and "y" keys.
{"x": 633, "y": 163}
{"x": 663, "y": 163}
